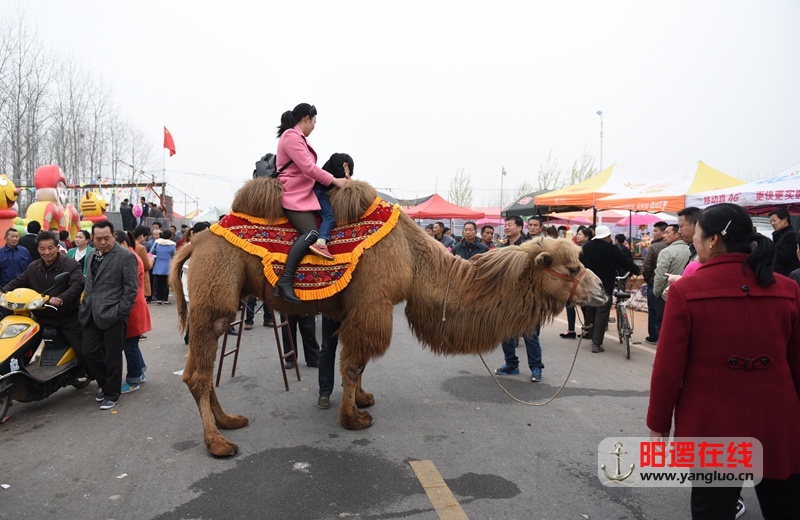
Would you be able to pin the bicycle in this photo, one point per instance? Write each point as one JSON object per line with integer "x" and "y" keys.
{"x": 622, "y": 300}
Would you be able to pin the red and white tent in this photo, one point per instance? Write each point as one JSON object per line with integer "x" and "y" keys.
{"x": 437, "y": 207}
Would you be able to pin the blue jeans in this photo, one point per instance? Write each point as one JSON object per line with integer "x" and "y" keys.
{"x": 326, "y": 214}
{"x": 327, "y": 355}
{"x": 532, "y": 347}
{"x": 134, "y": 361}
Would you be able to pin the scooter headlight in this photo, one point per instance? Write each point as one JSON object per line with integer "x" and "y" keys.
{"x": 14, "y": 330}
{"x": 36, "y": 304}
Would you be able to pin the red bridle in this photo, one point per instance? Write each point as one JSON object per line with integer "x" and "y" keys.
{"x": 575, "y": 281}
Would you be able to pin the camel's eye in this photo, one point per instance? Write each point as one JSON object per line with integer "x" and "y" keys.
{"x": 574, "y": 271}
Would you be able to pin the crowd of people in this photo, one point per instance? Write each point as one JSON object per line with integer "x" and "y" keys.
{"x": 723, "y": 309}
{"x": 102, "y": 311}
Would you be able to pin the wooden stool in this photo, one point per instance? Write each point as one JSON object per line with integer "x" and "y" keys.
{"x": 284, "y": 323}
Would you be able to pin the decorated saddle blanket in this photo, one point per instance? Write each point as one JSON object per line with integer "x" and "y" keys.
{"x": 316, "y": 277}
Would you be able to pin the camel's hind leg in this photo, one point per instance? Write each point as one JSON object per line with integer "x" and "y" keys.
{"x": 363, "y": 399}
{"x": 363, "y": 338}
{"x": 198, "y": 376}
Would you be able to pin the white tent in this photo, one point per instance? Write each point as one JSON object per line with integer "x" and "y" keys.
{"x": 210, "y": 215}
{"x": 782, "y": 189}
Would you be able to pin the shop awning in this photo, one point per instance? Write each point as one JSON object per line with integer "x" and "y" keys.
{"x": 780, "y": 190}
{"x": 582, "y": 195}
{"x": 670, "y": 192}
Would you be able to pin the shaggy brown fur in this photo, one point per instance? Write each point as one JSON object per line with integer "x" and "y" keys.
{"x": 500, "y": 294}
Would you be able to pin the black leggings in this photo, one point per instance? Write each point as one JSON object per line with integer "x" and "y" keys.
{"x": 303, "y": 221}
{"x": 306, "y": 223}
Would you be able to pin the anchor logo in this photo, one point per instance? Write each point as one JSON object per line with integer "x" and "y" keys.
{"x": 618, "y": 476}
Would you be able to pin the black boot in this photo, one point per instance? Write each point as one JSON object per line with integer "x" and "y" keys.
{"x": 285, "y": 285}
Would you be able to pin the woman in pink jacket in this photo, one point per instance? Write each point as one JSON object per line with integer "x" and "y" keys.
{"x": 297, "y": 163}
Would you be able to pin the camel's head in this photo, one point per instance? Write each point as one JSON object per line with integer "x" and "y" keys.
{"x": 562, "y": 274}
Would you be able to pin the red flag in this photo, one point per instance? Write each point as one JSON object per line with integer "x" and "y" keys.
{"x": 169, "y": 144}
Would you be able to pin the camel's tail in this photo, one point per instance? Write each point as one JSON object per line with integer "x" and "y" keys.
{"x": 176, "y": 283}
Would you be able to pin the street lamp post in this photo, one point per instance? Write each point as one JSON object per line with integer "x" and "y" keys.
{"x": 600, "y": 113}
{"x": 502, "y": 175}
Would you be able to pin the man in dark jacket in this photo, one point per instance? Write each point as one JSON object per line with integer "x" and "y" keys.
{"x": 533, "y": 348}
{"x": 469, "y": 245}
{"x": 126, "y": 212}
{"x": 29, "y": 240}
{"x": 655, "y": 309}
{"x": 145, "y": 212}
{"x": 111, "y": 287}
{"x": 603, "y": 259}
{"x": 39, "y": 276}
{"x": 785, "y": 240}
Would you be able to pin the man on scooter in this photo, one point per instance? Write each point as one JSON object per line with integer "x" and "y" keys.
{"x": 39, "y": 276}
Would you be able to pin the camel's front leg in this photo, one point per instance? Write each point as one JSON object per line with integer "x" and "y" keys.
{"x": 198, "y": 376}
{"x": 363, "y": 337}
{"x": 350, "y": 417}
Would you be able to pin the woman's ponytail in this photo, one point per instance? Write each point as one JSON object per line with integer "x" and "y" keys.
{"x": 287, "y": 122}
{"x": 762, "y": 260}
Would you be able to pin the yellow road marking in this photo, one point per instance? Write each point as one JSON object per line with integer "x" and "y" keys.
{"x": 443, "y": 500}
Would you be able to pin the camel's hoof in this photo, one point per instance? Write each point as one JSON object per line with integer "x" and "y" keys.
{"x": 223, "y": 448}
{"x": 364, "y": 400}
{"x": 231, "y": 422}
{"x": 360, "y": 421}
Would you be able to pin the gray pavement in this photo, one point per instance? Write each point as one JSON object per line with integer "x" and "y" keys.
{"x": 63, "y": 458}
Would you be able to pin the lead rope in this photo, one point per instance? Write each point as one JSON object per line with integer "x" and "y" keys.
{"x": 494, "y": 376}
{"x": 526, "y": 403}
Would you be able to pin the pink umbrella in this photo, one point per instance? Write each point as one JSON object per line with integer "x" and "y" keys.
{"x": 639, "y": 219}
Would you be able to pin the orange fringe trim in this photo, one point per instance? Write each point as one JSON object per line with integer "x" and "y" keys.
{"x": 353, "y": 257}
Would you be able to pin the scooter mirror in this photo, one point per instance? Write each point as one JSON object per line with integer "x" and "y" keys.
{"x": 60, "y": 280}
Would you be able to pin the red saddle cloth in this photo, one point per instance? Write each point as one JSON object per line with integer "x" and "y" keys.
{"x": 316, "y": 277}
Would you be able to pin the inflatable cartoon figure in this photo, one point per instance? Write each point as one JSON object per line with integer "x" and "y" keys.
{"x": 93, "y": 207}
{"x": 51, "y": 209}
{"x": 8, "y": 198}
{"x": 51, "y": 198}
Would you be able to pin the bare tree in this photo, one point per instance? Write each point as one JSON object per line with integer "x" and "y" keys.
{"x": 549, "y": 173}
{"x": 461, "y": 189}
{"x": 582, "y": 168}
{"x": 525, "y": 188}
{"x": 26, "y": 78}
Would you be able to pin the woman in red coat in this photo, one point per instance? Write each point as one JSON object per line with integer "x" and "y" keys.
{"x": 728, "y": 360}
{"x": 138, "y": 322}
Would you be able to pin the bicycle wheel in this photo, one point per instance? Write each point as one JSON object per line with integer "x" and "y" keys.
{"x": 628, "y": 333}
{"x": 620, "y": 328}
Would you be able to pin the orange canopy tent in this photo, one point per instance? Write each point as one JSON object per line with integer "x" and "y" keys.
{"x": 585, "y": 194}
{"x": 437, "y": 207}
{"x": 669, "y": 194}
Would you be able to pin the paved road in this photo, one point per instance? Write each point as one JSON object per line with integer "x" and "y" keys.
{"x": 65, "y": 459}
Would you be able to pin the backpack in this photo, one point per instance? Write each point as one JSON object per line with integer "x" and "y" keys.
{"x": 267, "y": 167}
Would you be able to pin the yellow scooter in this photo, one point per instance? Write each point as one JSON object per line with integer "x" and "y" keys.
{"x": 34, "y": 362}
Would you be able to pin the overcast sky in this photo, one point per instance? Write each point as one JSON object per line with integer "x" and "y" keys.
{"x": 415, "y": 91}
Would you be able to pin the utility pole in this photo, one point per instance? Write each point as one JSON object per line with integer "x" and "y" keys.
{"x": 502, "y": 176}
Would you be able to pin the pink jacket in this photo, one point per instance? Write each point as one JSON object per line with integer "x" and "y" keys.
{"x": 299, "y": 177}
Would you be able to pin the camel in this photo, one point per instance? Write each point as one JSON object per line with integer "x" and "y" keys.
{"x": 500, "y": 294}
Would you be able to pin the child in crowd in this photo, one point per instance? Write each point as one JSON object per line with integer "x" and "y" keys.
{"x": 340, "y": 165}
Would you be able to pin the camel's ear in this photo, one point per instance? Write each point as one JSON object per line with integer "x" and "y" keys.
{"x": 544, "y": 260}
